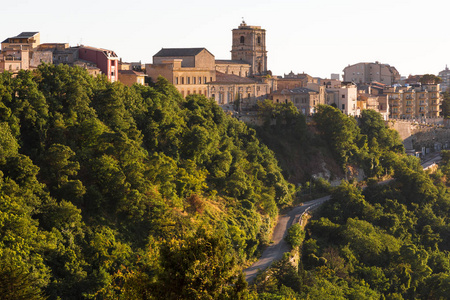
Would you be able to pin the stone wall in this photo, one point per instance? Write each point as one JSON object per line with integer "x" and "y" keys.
{"x": 415, "y": 135}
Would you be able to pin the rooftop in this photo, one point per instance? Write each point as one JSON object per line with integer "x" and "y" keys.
{"x": 233, "y": 79}
{"x": 298, "y": 90}
{"x": 22, "y": 35}
{"x": 25, "y": 35}
{"x": 131, "y": 72}
{"x": 169, "y": 52}
{"x": 231, "y": 62}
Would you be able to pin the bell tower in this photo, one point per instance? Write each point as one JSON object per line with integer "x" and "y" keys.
{"x": 249, "y": 45}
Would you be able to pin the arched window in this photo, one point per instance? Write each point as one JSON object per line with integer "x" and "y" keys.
{"x": 242, "y": 39}
{"x": 259, "y": 40}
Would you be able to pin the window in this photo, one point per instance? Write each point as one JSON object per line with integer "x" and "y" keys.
{"x": 176, "y": 80}
{"x": 194, "y": 80}
{"x": 182, "y": 80}
{"x": 343, "y": 96}
{"x": 242, "y": 39}
{"x": 204, "y": 79}
{"x": 210, "y": 78}
{"x": 343, "y": 106}
{"x": 259, "y": 40}
{"x": 188, "y": 80}
{"x": 112, "y": 73}
{"x": 199, "y": 80}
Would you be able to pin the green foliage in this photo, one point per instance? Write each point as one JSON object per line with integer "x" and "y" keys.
{"x": 91, "y": 171}
{"x": 340, "y": 131}
{"x": 295, "y": 235}
{"x": 430, "y": 79}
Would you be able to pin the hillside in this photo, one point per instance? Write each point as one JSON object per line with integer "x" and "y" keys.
{"x": 109, "y": 191}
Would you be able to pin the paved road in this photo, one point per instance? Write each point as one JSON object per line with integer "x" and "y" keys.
{"x": 279, "y": 246}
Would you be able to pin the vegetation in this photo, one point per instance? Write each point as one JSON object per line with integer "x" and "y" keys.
{"x": 430, "y": 79}
{"x": 383, "y": 242}
{"x": 112, "y": 192}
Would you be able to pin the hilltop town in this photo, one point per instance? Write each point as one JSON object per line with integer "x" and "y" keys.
{"x": 116, "y": 183}
{"x": 237, "y": 84}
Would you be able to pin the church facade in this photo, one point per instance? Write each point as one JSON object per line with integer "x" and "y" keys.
{"x": 196, "y": 71}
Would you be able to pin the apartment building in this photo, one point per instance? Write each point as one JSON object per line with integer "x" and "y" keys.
{"x": 368, "y": 72}
{"x": 415, "y": 101}
{"x": 445, "y": 76}
{"x": 17, "y": 51}
{"x": 378, "y": 103}
{"x": 106, "y": 60}
{"x": 344, "y": 97}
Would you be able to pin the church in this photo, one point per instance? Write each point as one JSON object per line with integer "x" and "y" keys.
{"x": 237, "y": 83}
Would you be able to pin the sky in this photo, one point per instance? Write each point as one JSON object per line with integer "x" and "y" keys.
{"x": 311, "y": 36}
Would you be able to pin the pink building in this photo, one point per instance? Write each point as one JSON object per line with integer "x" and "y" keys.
{"x": 106, "y": 60}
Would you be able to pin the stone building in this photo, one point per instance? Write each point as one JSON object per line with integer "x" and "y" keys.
{"x": 291, "y": 81}
{"x": 196, "y": 71}
{"x": 233, "y": 67}
{"x": 367, "y": 72}
{"x": 304, "y": 99}
{"x": 188, "y": 69}
{"x": 249, "y": 46}
{"x": 17, "y": 51}
{"x": 378, "y": 103}
{"x": 130, "y": 77}
{"x": 227, "y": 88}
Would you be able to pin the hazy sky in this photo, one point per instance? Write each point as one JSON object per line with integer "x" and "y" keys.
{"x": 311, "y": 36}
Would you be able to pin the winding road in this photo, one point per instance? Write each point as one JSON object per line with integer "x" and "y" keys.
{"x": 279, "y": 246}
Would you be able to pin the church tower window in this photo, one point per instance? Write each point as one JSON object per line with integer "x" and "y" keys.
{"x": 242, "y": 40}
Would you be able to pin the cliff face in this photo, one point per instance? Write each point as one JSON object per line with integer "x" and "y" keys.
{"x": 302, "y": 159}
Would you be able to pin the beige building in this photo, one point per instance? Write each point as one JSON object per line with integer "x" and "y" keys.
{"x": 368, "y": 72}
{"x": 306, "y": 100}
{"x": 416, "y": 101}
{"x": 249, "y": 46}
{"x": 378, "y": 103}
{"x": 130, "y": 77}
{"x": 17, "y": 51}
{"x": 188, "y": 69}
{"x": 292, "y": 81}
{"x": 233, "y": 67}
{"x": 345, "y": 98}
{"x": 227, "y": 88}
